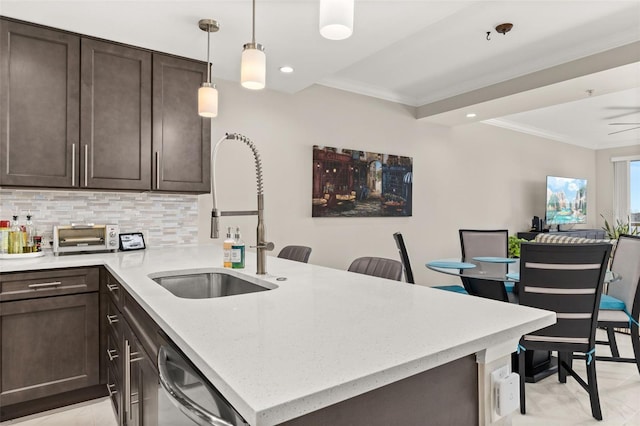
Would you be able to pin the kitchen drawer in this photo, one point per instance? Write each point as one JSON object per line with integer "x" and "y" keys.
{"x": 51, "y": 282}
{"x": 113, "y": 352}
{"x": 113, "y": 321}
{"x": 115, "y": 391}
{"x": 112, "y": 287}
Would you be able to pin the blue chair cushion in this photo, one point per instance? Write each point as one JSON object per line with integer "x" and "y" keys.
{"x": 609, "y": 303}
{"x": 454, "y": 288}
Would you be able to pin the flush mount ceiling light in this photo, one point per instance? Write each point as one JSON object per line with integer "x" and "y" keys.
{"x": 286, "y": 69}
{"x": 504, "y": 28}
{"x": 207, "y": 93}
{"x": 471, "y": 115}
{"x": 336, "y": 19}
{"x": 253, "y": 69}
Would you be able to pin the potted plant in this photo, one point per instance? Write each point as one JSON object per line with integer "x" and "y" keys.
{"x": 514, "y": 246}
{"x": 620, "y": 228}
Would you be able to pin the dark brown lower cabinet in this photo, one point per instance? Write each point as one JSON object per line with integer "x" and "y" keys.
{"x": 49, "y": 339}
{"x": 131, "y": 347}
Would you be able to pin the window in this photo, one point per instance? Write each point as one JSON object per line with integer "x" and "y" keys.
{"x": 634, "y": 192}
{"x": 626, "y": 194}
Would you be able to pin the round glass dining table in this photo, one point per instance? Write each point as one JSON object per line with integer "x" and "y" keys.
{"x": 490, "y": 268}
{"x": 484, "y": 268}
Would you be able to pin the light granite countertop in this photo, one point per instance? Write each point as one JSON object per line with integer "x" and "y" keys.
{"x": 319, "y": 337}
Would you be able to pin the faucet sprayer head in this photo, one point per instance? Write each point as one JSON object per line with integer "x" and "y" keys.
{"x": 215, "y": 215}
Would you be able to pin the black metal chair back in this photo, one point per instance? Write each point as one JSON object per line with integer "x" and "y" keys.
{"x": 567, "y": 279}
{"x": 404, "y": 257}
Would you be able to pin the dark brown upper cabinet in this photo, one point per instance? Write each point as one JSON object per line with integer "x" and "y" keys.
{"x": 115, "y": 116}
{"x": 77, "y": 112}
{"x": 39, "y": 114}
{"x": 181, "y": 138}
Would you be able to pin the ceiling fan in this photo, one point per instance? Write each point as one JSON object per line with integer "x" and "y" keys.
{"x": 637, "y": 126}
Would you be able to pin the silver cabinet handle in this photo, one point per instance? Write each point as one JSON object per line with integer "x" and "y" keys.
{"x": 157, "y": 170}
{"x": 112, "y": 354}
{"x": 112, "y": 318}
{"x": 43, "y": 285}
{"x": 112, "y": 287}
{"x": 127, "y": 379}
{"x": 73, "y": 164}
{"x": 189, "y": 407}
{"x": 111, "y": 386}
{"x": 86, "y": 166}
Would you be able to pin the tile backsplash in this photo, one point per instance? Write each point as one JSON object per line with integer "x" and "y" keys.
{"x": 164, "y": 219}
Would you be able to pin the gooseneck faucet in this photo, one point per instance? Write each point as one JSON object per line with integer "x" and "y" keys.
{"x": 261, "y": 245}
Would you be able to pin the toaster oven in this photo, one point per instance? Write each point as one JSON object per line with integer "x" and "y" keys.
{"x": 81, "y": 238}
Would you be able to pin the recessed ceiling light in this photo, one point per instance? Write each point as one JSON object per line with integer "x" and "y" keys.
{"x": 286, "y": 69}
{"x": 471, "y": 115}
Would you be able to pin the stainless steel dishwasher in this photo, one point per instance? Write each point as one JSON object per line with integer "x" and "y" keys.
{"x": 185, "y": 397}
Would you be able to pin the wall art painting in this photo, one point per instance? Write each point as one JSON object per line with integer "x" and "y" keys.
{"x": 353, "y": 183}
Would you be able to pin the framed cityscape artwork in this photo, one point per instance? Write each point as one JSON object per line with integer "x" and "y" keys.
{"x": 353, "y": 183}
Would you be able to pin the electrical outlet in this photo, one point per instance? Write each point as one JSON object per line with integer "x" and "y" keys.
{"x": 505, "y": 392}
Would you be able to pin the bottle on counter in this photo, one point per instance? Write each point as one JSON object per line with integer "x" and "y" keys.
{"x": 5, "y": 228}
{"x": 30, "y": 232}
{"x": 15, "y": 237}
{"x": 226, "y": 249}
{"x": 237, "y": 251}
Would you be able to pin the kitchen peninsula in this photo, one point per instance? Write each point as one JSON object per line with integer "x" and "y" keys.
{"x": 321, "y": 340}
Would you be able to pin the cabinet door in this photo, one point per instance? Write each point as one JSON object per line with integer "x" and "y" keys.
{"x": 48, "y": 346}
{"x": 115, "y": 116}
{"x": 39, "y": 112}
{"x": 141, "y": 384}
{"x": 181, "y": 138}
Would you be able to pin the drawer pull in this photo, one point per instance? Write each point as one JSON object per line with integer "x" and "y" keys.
{"x": 43, "y": 285}
{"x": 112, "y": 319}
{"x": 133, "y": 357}
{"x": 112, "y": 386}
{"x": 112, "y": 354}
{"x": 112, "y": 287}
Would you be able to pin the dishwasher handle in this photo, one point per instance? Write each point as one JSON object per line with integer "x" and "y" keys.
{"x": 185, "y": 404}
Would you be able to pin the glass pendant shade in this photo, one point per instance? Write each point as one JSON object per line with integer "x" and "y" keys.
{"x": 253, "y": 68}
{"x": 208, "y": 100}
{"x": 336, "y": 19}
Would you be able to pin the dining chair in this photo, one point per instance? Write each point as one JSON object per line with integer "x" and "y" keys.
{"x": 404, "y": 257}
{"x": 377, "y": 267}
{"x": 486, "y": 243}
{"x": 566, "y": 279}
{"x": 408, "y": 272}
{"x": 620, "y": 307}
{"x": 297, "y": 253}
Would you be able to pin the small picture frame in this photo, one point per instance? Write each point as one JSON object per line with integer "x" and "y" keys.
{"x": 131, "y": 241}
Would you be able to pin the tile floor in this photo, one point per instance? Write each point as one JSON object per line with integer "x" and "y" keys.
{"x": 549, "y": 403}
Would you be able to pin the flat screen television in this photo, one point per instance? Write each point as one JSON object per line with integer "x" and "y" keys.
{"x": 566, "y": 200}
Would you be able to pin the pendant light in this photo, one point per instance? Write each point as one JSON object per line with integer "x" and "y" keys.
{"x": 253, "y": 68}
{"x": 336, "y": 19}
{"x": 207, "y": 93}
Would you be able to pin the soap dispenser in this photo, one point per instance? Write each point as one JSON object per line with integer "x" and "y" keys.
{"x": 237, "y": 251}
{"x": 226, "y": 249}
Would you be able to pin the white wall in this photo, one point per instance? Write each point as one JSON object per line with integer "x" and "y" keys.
{"x": 475, "y": 176}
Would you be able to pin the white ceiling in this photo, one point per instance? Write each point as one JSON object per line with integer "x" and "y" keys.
{"x": 420, "y": 53}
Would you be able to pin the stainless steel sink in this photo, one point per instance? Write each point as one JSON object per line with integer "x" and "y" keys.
{"x": 206, "y": 285}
